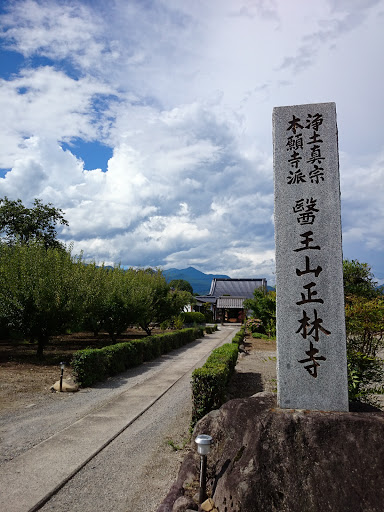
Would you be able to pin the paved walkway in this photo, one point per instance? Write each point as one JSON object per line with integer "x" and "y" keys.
{"x": 27, "y": 481}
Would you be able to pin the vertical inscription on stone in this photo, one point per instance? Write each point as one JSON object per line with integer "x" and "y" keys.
{"x": 311, "y": 346}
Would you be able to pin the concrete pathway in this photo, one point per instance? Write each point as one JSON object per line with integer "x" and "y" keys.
{"x": 29, "y": 480}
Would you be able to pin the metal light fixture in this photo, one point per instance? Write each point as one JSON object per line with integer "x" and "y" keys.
{"x": 204, "y": 443}
{"x": 62, "y": 366}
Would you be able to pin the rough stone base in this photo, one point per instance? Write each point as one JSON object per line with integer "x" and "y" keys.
{"x": 68, "y": 386}
{"x": 269, "y": 459}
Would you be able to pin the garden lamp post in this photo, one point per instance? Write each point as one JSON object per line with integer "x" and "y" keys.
{"x": 204, "y": 443}
{"x": 62, "y": 365}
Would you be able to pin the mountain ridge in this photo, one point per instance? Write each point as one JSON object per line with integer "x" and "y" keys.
{"x": 200, "y": 282}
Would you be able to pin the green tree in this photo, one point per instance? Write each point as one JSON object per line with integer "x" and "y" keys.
{"x": 155, "y": 301}
{"x": 365, "y": 329}
{"x": 364, "y": 318}
{"x": 151, "y": 298}
{"x": 94, "y": 282}
{"x": 263, "y": 307}
{"x": 18, "y": 222}
{"x": 118, "y": 306}
{"x": 177, "y": 301}
{"x": 359, "y": 280}
{"x": 39, "y": 294}
{"x": 181, "y": 285}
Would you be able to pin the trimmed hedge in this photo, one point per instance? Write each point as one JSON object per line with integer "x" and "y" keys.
{"x": 209, "y": 329}
{"x": 95, "y": 365}
{"x": 209, "y": 383}
{"x": 239, "y": 337}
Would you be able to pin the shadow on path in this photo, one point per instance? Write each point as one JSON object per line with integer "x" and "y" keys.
{"x": 243, "y": 385}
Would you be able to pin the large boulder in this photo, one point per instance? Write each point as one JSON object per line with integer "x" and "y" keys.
{"x": 270, "y": 459}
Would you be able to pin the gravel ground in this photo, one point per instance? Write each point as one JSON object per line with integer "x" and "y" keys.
{"x": 49, "y": 413}
{"x": 137, "y": 469}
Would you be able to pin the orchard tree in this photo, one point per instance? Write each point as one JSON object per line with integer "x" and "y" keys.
{"x": 94, "y": 282}
{"x": 118, "y": 305}
{"x": 39, "y": 293}
{"x": 151, "y": 298}
{"x": 155, "y": 301}
{"x": 18, "y": 222}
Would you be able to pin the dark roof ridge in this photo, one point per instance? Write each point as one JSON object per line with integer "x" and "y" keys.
{"x": 231, "y": 296}
{"x": 239, "y": 279}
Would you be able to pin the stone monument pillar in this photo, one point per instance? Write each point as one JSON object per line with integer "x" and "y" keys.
{"x": 311, "y": 340}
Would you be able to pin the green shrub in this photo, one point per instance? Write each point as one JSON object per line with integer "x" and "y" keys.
{"x": 365, "y": 328}
{"x": 193, "y": 317}
{"x": 153, "y": 347}
{"x": 94, "y": 365}
{"x": 208, "y": 315}
{"x": 238, "y": 339}
{"x": 209, "y": 329}
{"x": 254, "y": 325}
{"x": 260, "y": 335}
{"x": 178, "y": 322}
{"x": 113, "y": 360}
{"x": 120, "y": 357}
{"x": 168, "y": 342}
{"x": 365, "y": 377}
{"x": 263, "y": 306}
{"x": 239, "y": 336}
{"x": 208, "y": 390}
{"x": 226, "y": 354}
{"x": 89, "y": 366}
{"x": 209, "y": 383}
{"x": 165, "y": 325}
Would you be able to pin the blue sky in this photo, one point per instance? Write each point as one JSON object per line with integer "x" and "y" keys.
{"x": 149, "y": 123}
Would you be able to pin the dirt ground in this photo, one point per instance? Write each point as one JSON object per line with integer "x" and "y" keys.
{"x": 255, "y": 369}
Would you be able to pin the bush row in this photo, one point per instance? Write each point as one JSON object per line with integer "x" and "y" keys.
{"x": 209, "y": 383}
{"x": 210, "y": 329}
{"x": 239, "y": 337}
{"x": 95, "y": 365}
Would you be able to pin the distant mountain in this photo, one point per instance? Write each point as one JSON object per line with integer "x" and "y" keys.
{"x": 200, "y": 282}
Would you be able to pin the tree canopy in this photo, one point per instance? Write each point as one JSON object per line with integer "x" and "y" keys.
{"x": 364, "y": 318}
{"x": 39, "y": 292}
{"x": 181, "y": 285}
{"x": 263, "y": 307}
{"x": 17, "y": 222}
{"x": 359, "y": 280}
{"x": 46, "y": 291}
